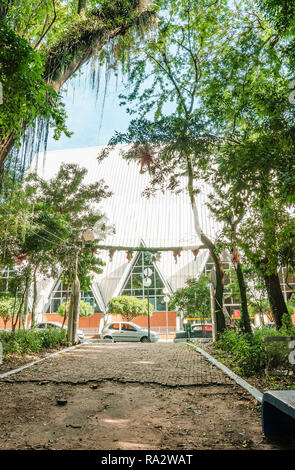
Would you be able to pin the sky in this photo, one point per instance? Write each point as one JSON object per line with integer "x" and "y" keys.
{"x": 93, "y": 119}
{"x": 91, "y": 126}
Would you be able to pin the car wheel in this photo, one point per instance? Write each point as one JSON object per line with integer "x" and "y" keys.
{"x": 109, "y": 337}
{"x": 144, "y": 339}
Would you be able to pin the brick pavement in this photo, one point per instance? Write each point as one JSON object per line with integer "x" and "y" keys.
{"x": 167, "y": 364}
{"x": 147, "y": 396}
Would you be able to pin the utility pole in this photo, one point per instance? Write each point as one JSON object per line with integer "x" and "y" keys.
{"x": 147, "y": 282}
{"x": 166, "y": 300}
{"x": 76, "y": 301}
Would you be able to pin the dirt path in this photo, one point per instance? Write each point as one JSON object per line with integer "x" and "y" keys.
{"x": 129, "y": 397}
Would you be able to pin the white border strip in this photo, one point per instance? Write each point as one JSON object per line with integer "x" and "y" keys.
{"x": 30, "y": 364}
{"x": 252, "y": 390}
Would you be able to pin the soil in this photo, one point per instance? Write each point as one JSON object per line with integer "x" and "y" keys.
{"x": 78, "y": 400}
{"x": 13, "y": 361}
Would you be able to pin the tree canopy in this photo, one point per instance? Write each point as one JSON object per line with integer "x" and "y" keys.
{"x": 194, "y": 299}
{"x": 129, "y": 307}
{"x": 43, "y": 43}
{"x": 225, "y": 72}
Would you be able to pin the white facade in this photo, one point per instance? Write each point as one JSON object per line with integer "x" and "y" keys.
{"x": 163, "y": 220}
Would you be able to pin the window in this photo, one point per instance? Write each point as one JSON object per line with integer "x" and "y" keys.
{"x": 127, "y": 327}
{"x": 6, "y": 281}
{"x": 115, "y": 326}
{"x": 59, "y": 295}
{"x": 134, "y": 283}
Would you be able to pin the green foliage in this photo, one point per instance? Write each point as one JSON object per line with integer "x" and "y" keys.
{"x": 86, "y": 310}
{"x": 53, "y": 338}
{"x": 287, "y": 326}
{"x": 280, "y": 13}
{"x": 194, "y": 299}
{"x": 44, "y": 222}
{"x": 129, "y": 307}
{"x": 43, "y": 43}
{"x": 260, "y": 307}
{"x": 117, "y": 12}
{"x": 247, "y": 352}
{"x": 250, "y": 355}
{"x": 25, "y": 94}
{"x": 8, "y": 308}
{"x": 30, "y": 341}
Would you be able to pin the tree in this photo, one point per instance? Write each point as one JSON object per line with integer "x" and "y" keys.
{"x": 66, "y": 199}
{"x": 194, "y": 299}
{"x": 86, "y": 310}
{"x": 7, "y": 308}
{"x": 129, "y": 307}
{"x": 261, "y": 308}
{"x": 176, "y": 146}
{"x": 46, "y": 235}
{"x": 248, "y": 100}
{"x": 231, "y": 212}
{"x": 281, "y": 14}
{"x": 43, "y": 45}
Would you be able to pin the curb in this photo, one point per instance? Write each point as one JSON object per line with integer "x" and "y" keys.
{"x": 252, "y": 390}
{"x": 30, "y": 364}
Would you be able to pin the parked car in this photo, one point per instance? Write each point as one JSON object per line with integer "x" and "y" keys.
{"x": 203, "y": 327}
{"x": 198, "y": 330}
{"x": 127, "y": 331}
{"x": 54, "y": 324}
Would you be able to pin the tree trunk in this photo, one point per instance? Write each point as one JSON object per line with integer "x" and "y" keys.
{"x": 76, "y": 307}
{"x": 220, "y": 319}
{"x": 34, "y": 296}
{"x": 219, "y": 289}
{"x": 23, "y": 301}
{"x": 70, "y": 322}
{"x": 66, "y": 303}
{"x": 82, "y": 7}
{"x": 74, "y": 311}
{"x": 5, "y": 147}
{"x": 275, "y": 297}
{"x": 245, "y": 318}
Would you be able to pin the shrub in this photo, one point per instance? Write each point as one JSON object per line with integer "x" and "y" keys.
{"x": 53, "y": 337}
{"x": 249, "y": 354}
{"x": 28, "y": 341}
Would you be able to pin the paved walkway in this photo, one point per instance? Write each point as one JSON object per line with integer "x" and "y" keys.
{"x": 157, "y": 363}
{"x": 128, "y": 396}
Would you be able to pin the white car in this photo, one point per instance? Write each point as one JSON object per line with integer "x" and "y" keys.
{"x": 55, "y": 324}
{"x": 127, "y": 331}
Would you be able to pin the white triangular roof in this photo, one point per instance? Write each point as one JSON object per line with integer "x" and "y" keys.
{"x": 165, "y": 219}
